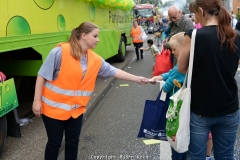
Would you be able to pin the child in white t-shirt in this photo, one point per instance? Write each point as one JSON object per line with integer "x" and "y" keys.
{"x": 154, "y": 49}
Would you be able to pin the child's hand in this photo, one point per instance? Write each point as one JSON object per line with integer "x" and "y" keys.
{"x": 164, "y": 41}
{"x": 141, "y": 48}
{"x": 154, "y": 55}
{"x": 154, "y": 79}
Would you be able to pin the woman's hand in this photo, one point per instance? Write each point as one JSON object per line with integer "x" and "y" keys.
{"x": 128, "y": 35}
{"x": 37, "y": 107}
{"x": 143, "y": 80}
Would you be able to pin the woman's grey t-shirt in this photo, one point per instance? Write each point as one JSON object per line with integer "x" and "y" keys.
{"x": 51, "y": 66}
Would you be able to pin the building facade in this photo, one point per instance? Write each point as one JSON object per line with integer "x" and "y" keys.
{"x": 227, "y": 4}
{"x": 236, "y": 7}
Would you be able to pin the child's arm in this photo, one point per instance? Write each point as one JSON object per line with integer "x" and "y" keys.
{"x": 163, "y": 76}
{"x": 168, "y": 86}
{"x": 144, "y": 49}
{"x": 154, "y": 54}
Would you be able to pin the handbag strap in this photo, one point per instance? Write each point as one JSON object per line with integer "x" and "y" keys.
{"x": 190, "y": 65}
{"x": 162, "y": 96}
{"x": 188, "y": 77}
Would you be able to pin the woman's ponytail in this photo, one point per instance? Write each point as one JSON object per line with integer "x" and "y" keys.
{"x": 225, "y": 31}
{"x": 74, "y": 43}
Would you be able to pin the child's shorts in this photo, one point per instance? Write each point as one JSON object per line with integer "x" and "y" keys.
{"x": 158, "y": 39}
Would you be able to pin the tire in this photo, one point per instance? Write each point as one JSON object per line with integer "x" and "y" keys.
{"x": 122, "y": 50}
{"x": 3, "y": 132}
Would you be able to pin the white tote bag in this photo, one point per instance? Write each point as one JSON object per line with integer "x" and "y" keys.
{"x": 144, "y": 36}
{"x": 180, "y": 141}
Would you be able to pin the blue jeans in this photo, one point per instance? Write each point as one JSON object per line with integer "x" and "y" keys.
{"x": 55, "y": 129}
{"x": 178, "y": 156}
{"x": 223, "y": 128}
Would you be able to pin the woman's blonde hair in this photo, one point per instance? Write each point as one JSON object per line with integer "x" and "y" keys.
{"x": 177, "y": 39}
{"x": 85, "y": 27}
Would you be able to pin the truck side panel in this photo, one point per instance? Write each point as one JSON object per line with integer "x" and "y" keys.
{"x": 35, "y": 27}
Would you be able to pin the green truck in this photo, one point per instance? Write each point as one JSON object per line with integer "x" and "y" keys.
{"x": 31, "y": 28}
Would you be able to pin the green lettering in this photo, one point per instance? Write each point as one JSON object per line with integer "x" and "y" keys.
{"x": 110, "y": 16}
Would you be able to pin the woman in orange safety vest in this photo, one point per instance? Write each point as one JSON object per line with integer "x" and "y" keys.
{"x": 136, "y": 35}
{"x": 64, "y": 85}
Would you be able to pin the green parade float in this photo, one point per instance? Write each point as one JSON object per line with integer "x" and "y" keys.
{"x": 31, "y": 28}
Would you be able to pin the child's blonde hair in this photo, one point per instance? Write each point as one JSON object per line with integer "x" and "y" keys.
{"x": 177, "y": 39}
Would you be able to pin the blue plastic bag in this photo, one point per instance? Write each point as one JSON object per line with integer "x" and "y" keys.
{"x": 154, "y": 119}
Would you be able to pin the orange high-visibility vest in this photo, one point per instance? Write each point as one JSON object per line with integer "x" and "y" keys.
{"x": 135, "y": 35}
{"x": 68, "y": 95}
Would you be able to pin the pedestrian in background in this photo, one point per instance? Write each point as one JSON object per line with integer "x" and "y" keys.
{"x": 214, "y": 90}
{"x": 157, "y": 38}
{"x": 154, "y": 51}
{"x": 197, "y": 25}
{"x": 136, "y": 35}
{"x": 238, "y": 27}
{"x": 171, "y": 78}
{"x": 64, "y": 86}
{"x": 233, "y": 21}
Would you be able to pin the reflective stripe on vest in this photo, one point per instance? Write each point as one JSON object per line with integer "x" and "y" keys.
{"x": 66, "y": 92}
{"x": 66, "y": 97}
{"x": 63, "y": 106}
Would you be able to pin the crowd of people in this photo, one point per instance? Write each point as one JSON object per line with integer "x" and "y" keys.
{"x": 214, "y": 119}
{"x": 214, "y": 90}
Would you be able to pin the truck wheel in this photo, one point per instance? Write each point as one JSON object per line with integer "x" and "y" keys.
{"x": 3, "y": 132}
{"x": 122, "y": 50}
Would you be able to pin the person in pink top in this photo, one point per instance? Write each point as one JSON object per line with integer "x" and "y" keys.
{"x": 197, "y": 25}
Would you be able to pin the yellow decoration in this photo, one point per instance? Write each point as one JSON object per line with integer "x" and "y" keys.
{"x": 176, "y": 83}
{"x": 107, "y": 2}
{"x": 119, "y": 4}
